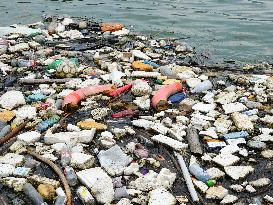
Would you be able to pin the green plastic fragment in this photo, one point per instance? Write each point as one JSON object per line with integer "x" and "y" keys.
{"x": 158, "y": 81}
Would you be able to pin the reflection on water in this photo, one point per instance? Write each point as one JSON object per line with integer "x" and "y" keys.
{"x": 227, "y": 29}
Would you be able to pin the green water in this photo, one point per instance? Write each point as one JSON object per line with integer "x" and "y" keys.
{"x": 224, "y": 30}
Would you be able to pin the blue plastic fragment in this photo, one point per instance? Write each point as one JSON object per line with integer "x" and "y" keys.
{"x": 44, "y": 125}
{"x": 151, "y": 63}
{"x": 168, "y": 47}
{"x": 177, "y": 97}
{"x": 236, "y": 135}
{"x": 35, "y": 97}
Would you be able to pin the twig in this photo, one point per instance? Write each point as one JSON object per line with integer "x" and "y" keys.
{"x": 44, "y": 81}
{"x": 58, "y": 171}
{"x": 13, "y": 133}
{"x": 7, "y": 145}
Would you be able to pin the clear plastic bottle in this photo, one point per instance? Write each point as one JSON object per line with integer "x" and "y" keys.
{"x": 200, "y": 174}
{"x": 33, "y": 195}
{"x": 70, "y": 176}
{"x": 65, "y": 156}
{"x": 203, "y": 86}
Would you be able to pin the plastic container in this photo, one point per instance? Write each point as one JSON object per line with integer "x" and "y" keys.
{"x": 33, "y": 195}
{"x": 199, "y": 172}
{"x": 65, "y": 156}
{"x": 203, "y": 86}
{"x": 85, "y": 196}
{"x": 70, "y": 176}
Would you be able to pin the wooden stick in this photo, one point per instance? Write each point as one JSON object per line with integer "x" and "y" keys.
{"x": 58, "y": 171}
{"x": 13, "y": 133}
{"x": 44, "y": 81}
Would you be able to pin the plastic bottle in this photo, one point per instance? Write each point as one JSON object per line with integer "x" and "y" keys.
{"x": 70, "y": 176}
{"x": 65, "y": 156}
{"x": 33, "y": 195}
{"x": 166, "y": 71}
{"x": 85, "y": 196}
{"x": 199, "y": 172}
{"x": 5, "y": 131}
{"x": 203, "y": 86}
{"x": 60, "y": 200}
{"x": 22, "y": 63}
{"x": 61, "y": 197}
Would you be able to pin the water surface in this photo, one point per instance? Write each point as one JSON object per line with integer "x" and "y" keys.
{"x": 240, "y": 30}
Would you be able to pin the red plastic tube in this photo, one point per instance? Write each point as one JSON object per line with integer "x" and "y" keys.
{"x": 120, "y": 90}
{"x": 160, "y": 99}
{"x": 72, "y": 100}
{"x": 124, "y": 113}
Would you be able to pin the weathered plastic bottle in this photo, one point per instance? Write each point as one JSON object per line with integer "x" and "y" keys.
{"x": 199, "y": 172}
{"x": 22, "y": 63}
{"x": 65, "y": 156}
{"x": 85, "y": 196}
{"x": 70, "y": 176}
{"x": 5, "y": 131}
{"x": 33, "y": 195}
{"x": 166, "y": 71}
{"x": 60, "y": 200}
{"x": 203, "y": 86}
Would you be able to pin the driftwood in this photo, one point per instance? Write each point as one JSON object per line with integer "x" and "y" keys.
{"x": 58, "y": 172}
{"x": 44, "y": 81}
{"x": 12, "y": 133}
{"x": 193, "y": 141}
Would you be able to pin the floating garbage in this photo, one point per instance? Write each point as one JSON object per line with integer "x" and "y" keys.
{"x": 93, "y": 112}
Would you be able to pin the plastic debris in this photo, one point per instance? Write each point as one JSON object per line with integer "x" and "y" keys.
{"x": 44, "y": 125}
{"x": 93, "y": 113}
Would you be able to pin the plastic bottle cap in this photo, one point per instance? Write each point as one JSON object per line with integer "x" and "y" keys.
{"x": 211, "y": 183}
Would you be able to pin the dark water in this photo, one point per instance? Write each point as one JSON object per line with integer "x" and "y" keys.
{"x": 240, "y": 30}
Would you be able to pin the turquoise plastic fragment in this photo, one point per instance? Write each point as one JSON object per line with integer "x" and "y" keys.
{"x": 44, "y": 125}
